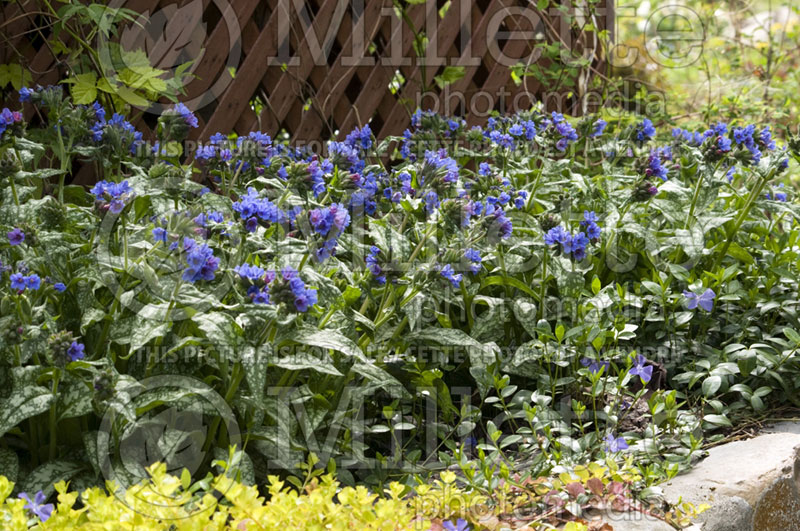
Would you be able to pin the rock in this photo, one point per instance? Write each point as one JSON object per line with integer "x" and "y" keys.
{"x": 778, "y": 508}
{"x": 730, "y": 514}
{"x": 740, "y": 468}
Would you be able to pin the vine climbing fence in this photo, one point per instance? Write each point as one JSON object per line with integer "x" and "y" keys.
{"x": 314, "y": 69}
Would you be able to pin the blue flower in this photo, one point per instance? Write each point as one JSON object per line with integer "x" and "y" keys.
{"x": 645, "y": 372}
{"x": 114, "y": 195}
{"x": 557, "y": 234}
{"x": 474, "y": 256}
{"x": 599, "y": 127}
{"x": 60, "y": 287}
{"x": 37, "y": 506}
{"x": 250, "y": 272}
{"x": 260, "y": 296}
{"x": 439, "y": 163}
{"x": 460, "y": 525}
{"x": 33, "y": 282}
{"x": 373, "y": 266}
{"x": 8, "y": 117}
{"x": 188, "y": 116}
{"x": 615, "y": 444}
{"x": 705, "y": 301}
{"x": 17, "y": 281}
{"x": 595, "y": 366}
{"x": 645, "y": 131}
{"x": 201, "y": 263}
{"x": 448, "y": 273}
{"x": 25, "y": 94}
{"x": 160, "y": 234}
{"x": 16, "y": 237}
{"x": 75, "y": 351}
{"x": 360, "y": 138}
{"x": 655, "y": 168}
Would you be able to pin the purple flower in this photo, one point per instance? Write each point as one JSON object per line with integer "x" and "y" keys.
{"x": 373, "y": 266}
{"x": 17, "y": 281}
{"x": 37, "y": 506}
{"x": 595, "y": 366}
{"x": 645, "y": 131}
{"x": 75, "y": 351}
{"x": 16, "y": 237}
{"x": 705, "y": 301}
{"x": 33, "y": 282}
{"x": 160, "y": 234}
{"x": 25, "y": 94}
{"x": 188, "y": 116}
{"x": 448, "y": 273}
{"x": 260, "y": 296}
{"x": 615, "y": 444}
{"x": 251, "y": 272}
{"x": 201, "y": 263}
{"x": 599, "y": 127}
{"x": 645, "y": 372}
{"x": 474, "y": 256}
{"x": 460, "y": 525}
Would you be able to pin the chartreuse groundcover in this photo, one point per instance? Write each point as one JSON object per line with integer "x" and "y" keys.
{"x": 477, "y": 327}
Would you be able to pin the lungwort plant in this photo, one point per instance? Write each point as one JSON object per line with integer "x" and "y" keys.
{"x": 511, "y": 299}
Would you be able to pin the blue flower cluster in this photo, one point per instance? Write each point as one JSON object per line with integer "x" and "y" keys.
{"x": 655, "y": 163}
{"x": 328, "y": 222}
{"x": 473, "y": 256}
{"x": 645, "y": 131}
{"x": 21, "y": 282}
{"x": 778, "y": 195}
{"x": 566, "y": 133}
{"x": 253, "y": 208}
{"x": 8, "y": 118}
{"x": 590, "y": 225}
{"x": 439, "y": 163}
{"x": 719, "y": 141}
{"x": 373, "y": 265}
{"x": 448, "y": 273}
{"x": 127, "y": 132}
{"x": 188, "y": 116}
{"x": 304, "y": 297}
{"x": 200, "y": 260}
{"x": 598, "y": 128}
{"x": 575, "y": 245}
{"x": 112, "y": 196}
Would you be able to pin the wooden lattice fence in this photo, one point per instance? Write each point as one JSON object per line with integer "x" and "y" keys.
{"x": 318, "y": 68}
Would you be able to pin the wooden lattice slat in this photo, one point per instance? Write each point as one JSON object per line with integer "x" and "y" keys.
{"x": 319, "y": 96}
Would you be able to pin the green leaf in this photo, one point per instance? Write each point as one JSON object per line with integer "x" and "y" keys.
{"x": 711, "y": 385}
{"x": 792, "y": 335}
{"x": 508, "y": 281}
{"x": 9, "y": 464}
{"x": 717, "y": 420}
{"x": 84, "y": 88}
{"x": 596, "y": 285}
{"x": 220, "y": 328}
{"x": 740, "y": 253}
{"x": 22, "y": 404}
{"x": 450, "y": 74}
{"x": 43, "y": 477}
{"x": 255, "y": 361}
